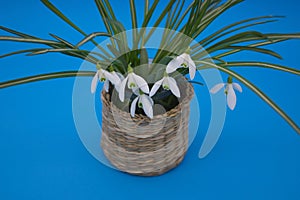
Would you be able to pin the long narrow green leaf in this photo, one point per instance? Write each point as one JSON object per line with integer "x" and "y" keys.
{"x": 90, "y": 37}
{"x": 134, "y": 24}
{"x": 187, "y": 10}
{"x": 146, "y": 7}
{"x": 258, "y": 92}
{"x": 84, "y": 53}
{"x": 61, "y": 15}
{"x": 147, "y": 17}
{"x": 200, "y": 14}
{"x": 196, "y": 82}
{"x": 205, "y": 43}
{"x": 260, "y": 50}
{"x": 236, "y": 39}
{"x": 261, "y": 64}
{"x": 103, "y": 15}
{"x": 20, "y": 52}
{"x": 110, "y": 10}
{"x": 160, "y": 18}
{"x": 58, "y": 45}
{"x": 62, "y": 40}
{"x": 23, "y": 35}
{"x": 18, "y": 39}
{"x": 258, "y": 44}
{"x": 17, "y": 32}
{"x": 228, "y": 27}
{"x": 176, "y": 17}
{"x": 45, "y": 77}
{"x": 133, "y": 14}
{"x": 149, "y": 14}
{"x": 215, "y": 13}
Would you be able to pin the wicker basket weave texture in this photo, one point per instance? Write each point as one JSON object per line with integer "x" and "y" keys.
{"x": 145, "y": 147}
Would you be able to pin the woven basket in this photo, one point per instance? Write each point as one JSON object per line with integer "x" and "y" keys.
{"x": 145, "y": 147}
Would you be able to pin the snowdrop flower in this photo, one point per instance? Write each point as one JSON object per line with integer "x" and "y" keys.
{"x": 168, "y": 83}
{"x": 116, "y": 80}
{"x": 106, "y": 77}
{"x": 134, "y": 82}
{"x": 143, "y": 101}
{"x": 229, "y": 91}
{"x": 185, "y": 61}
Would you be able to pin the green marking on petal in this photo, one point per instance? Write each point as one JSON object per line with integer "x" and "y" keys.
{"x": 102, "y": 79}
{"x": 132, "y": 85}
{"x": 140, "y": 105}
{"x": 184, "y": 65}
{"x": 166, "y": 87}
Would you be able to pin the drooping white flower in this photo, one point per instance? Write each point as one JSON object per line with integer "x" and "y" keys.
{"x": 229, "y": 91}
{"x": 117, "y": 80}
{"x": 134, "y": 82}
{"x": 168, "y": 83}
{"x": 185, "y": 61}
{"x": 143, "y": 101}
{"x": 106, "y": 77}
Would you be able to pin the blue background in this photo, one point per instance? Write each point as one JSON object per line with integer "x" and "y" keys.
{"x": 42, "y": 157}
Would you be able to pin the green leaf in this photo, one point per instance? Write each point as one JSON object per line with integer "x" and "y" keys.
{"x": 90, "y": 37}
{"x": 258, "y": 44}
{"x": 160, "y": 18}
{"x": 258, "y": 92}
{"x": 20, "y": 52}
{"x": 213, "y": 14}
{"x": 225, "y": 30}
{"x": 146, "y": 7}
{"x": 134, "y": 24}
{"x": 196, "y": 82}
{"x": 144, "y": 57}
{"x": 104, "y": 15}
{"x": 17, "y": 32}
{"x": 110, "y": 10}
{"x": 18, "y": 39}
{"x": 260, "y": 50}
{"x": 61, "y": 15}
{"x": 182, "y": 17}
{"x": 236, "y": 39}
{"x": 68, "y": 44}
{"x": 133, "y": 14}
{"x": 261, "y": 64}
{"x": 45, "y": 77}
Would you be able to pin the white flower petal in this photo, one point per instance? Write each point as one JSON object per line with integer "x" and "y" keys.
{"x": 106, "y": 85}
{"x": 237, "y": 87}
{"x": 133, "y": 106}
{"x": 95, "y": 82}
{"x": 173, "y": 86}
{"x": 147, "y": 105}
{"x": 217, "y": 88}
{"x": 136, "y": 90}
{"x": 131, "y": 81}
{"x": 101, "y": 74}
{"x": 231, "y": 97}
{"x": 192, "y": 71}
{"x": 184, "y": 58}
{"x": 192, "y": 68}
{"x": 112, "y": 77}
{"x": 120, "y": 76}
{"x": 155, "y": 87}
{"x": 173, "y": 65}
{"x": 122, "y": 89}
{"x": 151, "y": 100}
{"x": 141, "y": 83}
